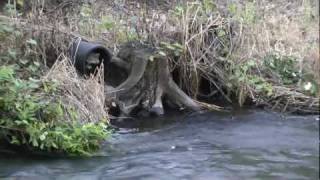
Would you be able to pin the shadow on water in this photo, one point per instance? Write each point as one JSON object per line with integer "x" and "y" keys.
{"x": 240, "y": 145}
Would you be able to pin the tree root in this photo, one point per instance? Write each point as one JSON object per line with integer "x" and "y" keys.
{"x": 148, "y": 81}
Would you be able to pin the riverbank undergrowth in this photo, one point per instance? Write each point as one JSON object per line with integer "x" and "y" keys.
{"x": 258, "y": 53}
{"x": 47, "y": 111}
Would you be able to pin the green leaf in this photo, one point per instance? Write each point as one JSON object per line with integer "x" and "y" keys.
{"x": 162, "y": 53}
{"x": 259, "y": 87}
{"x": 32, "y": 68}
{"x": 54, "y": 145}
{"x": 25, "y": 122}
{"x": 42, "y": 137}
{"x": 107, "y": 22}
{"x": 36, "y": 63}
{"x": 151, "y": 58}
{"x": 251, "y": 63}
{"x": 178, "y": 11}
{"x": 14, "y": 140}
{"x": 12, "y": 53}
{"x": 209, "y": 6}
{"x": 35, "y": 142}
{"x": 6, "y": 72}
{"x": 177, "y": 53}
{"x": 23, "y": 61}
{"x": 221, "y": 33}
{"x": 42, "y": 146}
{"x": 32, "y": 42}
{"x": 233, "y": 9}
{"x": 6, "y": 28}
{"x": 269, "y": 92}
{"x": 177, "y": 45}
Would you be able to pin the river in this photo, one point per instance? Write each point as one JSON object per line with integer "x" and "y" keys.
{"x": 249, "y": 144}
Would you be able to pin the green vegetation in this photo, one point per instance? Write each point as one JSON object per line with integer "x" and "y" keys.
{"x": 31, "y": 118}
{"x": 243, "y": 77}
{"x": 33, "y": 114}
{"x": 285, "y": 67}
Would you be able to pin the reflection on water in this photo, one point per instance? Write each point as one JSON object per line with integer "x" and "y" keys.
{"x": 250, "y": 145}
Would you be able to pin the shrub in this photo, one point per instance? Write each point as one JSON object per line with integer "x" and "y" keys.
{"x": 29, "y": 117}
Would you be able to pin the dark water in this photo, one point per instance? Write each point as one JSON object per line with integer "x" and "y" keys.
{"x": 247, "y": 145}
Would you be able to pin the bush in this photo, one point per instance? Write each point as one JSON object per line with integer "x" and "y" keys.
{"x": 284, "y": 67}
{"x": 29, "y": 117}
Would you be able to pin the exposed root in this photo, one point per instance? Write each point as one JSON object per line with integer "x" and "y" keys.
{"x": 148, "y": 81}
{"x": 211, "y": 107}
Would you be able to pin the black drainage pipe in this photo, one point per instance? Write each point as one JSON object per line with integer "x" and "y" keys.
{"x": 80, "y": 52}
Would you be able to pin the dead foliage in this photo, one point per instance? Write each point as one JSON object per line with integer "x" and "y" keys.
{"x": 85, "y": 95}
